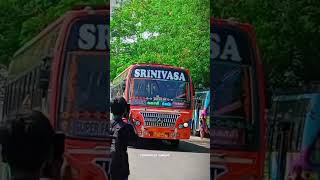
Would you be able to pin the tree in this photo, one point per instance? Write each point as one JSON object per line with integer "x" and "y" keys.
{"x": 288, "y": 34}
{"x": 166, "y": 32}
{"x": 21, "y": 20}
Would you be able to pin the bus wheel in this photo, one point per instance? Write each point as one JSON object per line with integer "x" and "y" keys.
{"x": 138, "y": 143}
{"x": 197, "y": 133}
{"x": 175, "y": 143}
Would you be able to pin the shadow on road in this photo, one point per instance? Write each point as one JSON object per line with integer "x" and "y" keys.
{"x": 158, "y": 145}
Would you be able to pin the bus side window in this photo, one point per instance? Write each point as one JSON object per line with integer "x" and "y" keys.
{"x": 123, "y": 86}
{"x": 11, "y": 96}
{"x": 111, "y": 91}
{"x": 114, "y": 91}
{"x": 23, "y": 90}
{"x": 8, "y": 98}
{"x": 15, "y": 96}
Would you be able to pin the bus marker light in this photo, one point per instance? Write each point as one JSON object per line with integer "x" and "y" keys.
{"x": 185, "y": 124}
{"x": 137, "y": 123}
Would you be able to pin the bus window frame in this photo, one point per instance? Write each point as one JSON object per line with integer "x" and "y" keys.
{"x": 64, "y": 88}
{"x": 61, "y": 46}
{"x": 123, "y": 77}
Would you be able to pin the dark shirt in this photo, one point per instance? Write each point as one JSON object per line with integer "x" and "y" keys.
{"x": 124, "y": 135}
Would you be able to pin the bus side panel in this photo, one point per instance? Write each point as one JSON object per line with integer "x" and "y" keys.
{"x": 254, "y": 170}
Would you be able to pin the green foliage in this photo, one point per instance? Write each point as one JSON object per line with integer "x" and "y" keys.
{"x": 288, "y": 33}
{"x": 21, "y": 20}
{"x": 183, "y": 40}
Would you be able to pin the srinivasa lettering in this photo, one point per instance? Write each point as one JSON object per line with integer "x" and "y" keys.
{"x": 159, "y": 74}
{"x": 94, "y": 36}
{"x": 224, "y": 49}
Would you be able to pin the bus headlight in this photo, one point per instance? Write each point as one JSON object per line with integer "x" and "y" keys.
{"x": 185, "y": 125}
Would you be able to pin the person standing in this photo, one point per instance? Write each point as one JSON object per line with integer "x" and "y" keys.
{"x": 29, "y": 144}
{"x": 203, "y": 126}
{"x": 124, "y": 135}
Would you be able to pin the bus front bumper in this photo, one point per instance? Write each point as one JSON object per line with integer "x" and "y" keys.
{"x": 164, "y": 133}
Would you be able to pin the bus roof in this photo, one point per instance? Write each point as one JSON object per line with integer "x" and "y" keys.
{"x": 233, "y": 22}
{"x": 54, "y": 24}
{"x": 58, "y": 23}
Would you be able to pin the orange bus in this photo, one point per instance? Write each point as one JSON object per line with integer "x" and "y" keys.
{"x": 161, "y": 99}
{"x": 238, "y": 120}
{"x": 63, "y": 72}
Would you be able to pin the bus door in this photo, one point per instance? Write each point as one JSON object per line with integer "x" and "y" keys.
{"x": 195, "y": 126}
{"x": 197, "y": 112}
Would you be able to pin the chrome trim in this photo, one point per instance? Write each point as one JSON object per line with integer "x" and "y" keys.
{"x": 156, "y": 119}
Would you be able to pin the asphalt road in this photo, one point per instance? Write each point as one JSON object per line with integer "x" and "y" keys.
{"x": 157, "y": 161}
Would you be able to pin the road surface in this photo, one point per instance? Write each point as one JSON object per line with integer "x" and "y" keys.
{"x": 157, "y": 161}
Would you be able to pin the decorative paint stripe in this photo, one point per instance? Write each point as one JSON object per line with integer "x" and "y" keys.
{"x": 231, "y": 160}
{"x": 155, "y": 111}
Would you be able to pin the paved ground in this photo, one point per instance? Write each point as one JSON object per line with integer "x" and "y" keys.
{"x": 158, "y": 161}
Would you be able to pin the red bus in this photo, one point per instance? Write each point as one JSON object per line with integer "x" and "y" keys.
{"x": 238, "y": 120}
{"x": 63, "y": 72}
{"x": 161, "y": 99}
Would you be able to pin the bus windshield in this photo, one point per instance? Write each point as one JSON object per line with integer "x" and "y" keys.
{"x": 85, "y": 90}
{"x": 91, "y": 84}
{"x": 164, "y": 93}
{"x": 232, "y": 109}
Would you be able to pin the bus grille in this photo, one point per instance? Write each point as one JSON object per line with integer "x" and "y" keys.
{"x": 160, "y": 119}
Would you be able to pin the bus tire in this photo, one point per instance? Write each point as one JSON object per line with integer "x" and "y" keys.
{"x": 175, "y": 143}
{"x": 197, "y": 133}
{"x": 138, "y": 143}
